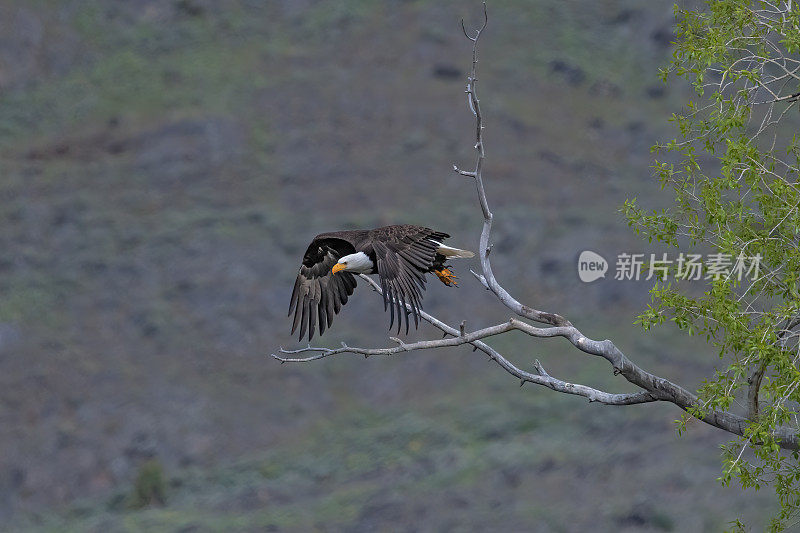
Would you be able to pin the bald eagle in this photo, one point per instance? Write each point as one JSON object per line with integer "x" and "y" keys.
{"x": 401, "y": 256}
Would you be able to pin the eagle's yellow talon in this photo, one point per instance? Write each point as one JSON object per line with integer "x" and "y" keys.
{"x": 446, "y": 277}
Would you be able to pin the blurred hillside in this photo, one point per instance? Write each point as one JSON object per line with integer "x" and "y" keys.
{"x": 164, "y": 165}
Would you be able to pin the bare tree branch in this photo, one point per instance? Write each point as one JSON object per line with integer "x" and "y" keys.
{"x": 662, "y": 388}
{"x": 540, "y": 378}
{"x": 487, "y": 278}
{"x": 653, "y": 388}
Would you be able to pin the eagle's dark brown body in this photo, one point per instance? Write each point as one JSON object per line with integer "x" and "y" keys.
{"x": 401, "y": 255}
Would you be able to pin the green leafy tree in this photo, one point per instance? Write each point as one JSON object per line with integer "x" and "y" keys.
{"x": 735, "y": 174}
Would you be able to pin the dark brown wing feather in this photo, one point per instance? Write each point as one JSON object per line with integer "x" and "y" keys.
{"x": 404, "y": 254}
{"x": 318, "y": 295}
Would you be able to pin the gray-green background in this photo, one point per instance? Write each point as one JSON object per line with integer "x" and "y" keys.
{"x": 163, "y": 165}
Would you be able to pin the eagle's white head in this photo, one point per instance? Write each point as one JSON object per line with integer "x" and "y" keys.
{"x": 357, "y": 263}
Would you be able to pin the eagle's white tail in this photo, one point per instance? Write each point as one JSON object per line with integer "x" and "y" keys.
{"x": 448, "y": 251}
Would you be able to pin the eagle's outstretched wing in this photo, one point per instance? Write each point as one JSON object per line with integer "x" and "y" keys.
{"x": 404, "y": 254}
{"x": 318, "y": 294}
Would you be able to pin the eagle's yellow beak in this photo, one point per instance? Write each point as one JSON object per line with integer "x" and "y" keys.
{"x": 337, "y": 267}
